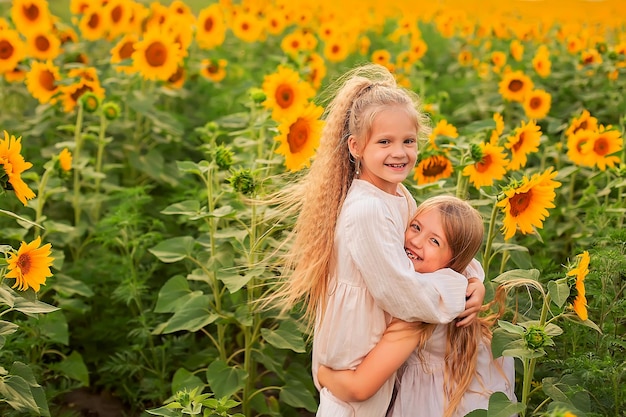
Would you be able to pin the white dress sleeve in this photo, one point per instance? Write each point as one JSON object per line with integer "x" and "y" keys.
{"x": 475, "y": 270}
{"x": 377, "y": 248}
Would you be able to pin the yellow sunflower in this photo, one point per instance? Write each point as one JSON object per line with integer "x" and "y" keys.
{"x": 213, "y": 69}
{"x": 603, "y": 146}
{"x": 514, "y": 86}
{"x": 498, "y": 59}
{"x": 336, "y": 49}
{"x": 12, "y": 50}
{"x": 590, "y": 57}
{"x": 31, "y": 15}
{"x": 14, "y": 165}
{"x": 541, "y": 62}
{"x": 211, "y": 27}
{"x": 577, "y": 288}
{"x": 247, "y": 26}
{"x": 585, "y": 122}
{"x": 286, "y": 93}
{"x": 417, "y": 49}
{"x": 293, "y": 43}
{"x": 537, "y": 104}
{"x": 516, "y": 49}
{"x": 94, "y": 23}
{"x": 30, "y": 266}
{"x": 71, "y": 93}
{"x": 43, "y": 45}
{"x": 465, "y": 58}
{"x": 433, "y": 168}
{"x": 491, "y": 167}
{"x": 524, "y": 141}
{"x": 18, "y": 75}
{"x": 575, "y": 143}
{"x": 65, "y": 159}
{"x": 443, "y": 128}
{"x": 156, "y": 56}
{"x": 118, "y": 13}
{"x": 41, "y": 81}
{"x": 79, "y": 6}
{"x": 381, "y": 56}
{"x": 275, "y": 21}
{"x": 123, "y": 52}
{"x": 525, "y": 204}
{"x": 177, "y": 80}
{"x": 316, "y": 70}
{"x": 300, "y": 136}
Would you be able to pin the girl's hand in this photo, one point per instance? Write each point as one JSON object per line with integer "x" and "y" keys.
{"x": 475, "y": 295}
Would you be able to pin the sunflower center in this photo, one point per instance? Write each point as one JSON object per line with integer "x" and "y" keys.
{"x": 520, "y": 202}
{"x": 601, "y": 147}
{"x": 31, "y": 12}
{"x": 520, "y": 142}
{"x": 156, "y": 54}
{"x": 208, "y": 24}
{"x": 42, "y": 43}
{"x": 245, "y": 26}
{"x": 298, "y": 136}
{"x": 80, "y": 91}
{"x": 46, "y": 80}
{"x": 177, "y": 76}
{"x": 535, "y": 103}
{"x": 484, "y": 164}
{"x": 580, "y": 144}
{"x": 212, "y": 68}
{"x": 284, "y": 96}
{"x": 94, "y": 21}
{"x": 6, "y": 49}
{"x": 335, "y": 49}
{"x": 434, "y": 168}
{"x": 516, "y": 85}
{"x": 116, "y": 14}
{"x": 24, "y": 262}
{"x": 126, "y": 51}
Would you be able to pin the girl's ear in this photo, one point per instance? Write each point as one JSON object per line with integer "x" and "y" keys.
{"x": 353, "y": 147}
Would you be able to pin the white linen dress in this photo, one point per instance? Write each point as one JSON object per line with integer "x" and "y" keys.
{"x": 420, "y": 386}
{"x": 372, "y": 281}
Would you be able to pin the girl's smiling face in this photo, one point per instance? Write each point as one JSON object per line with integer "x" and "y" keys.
{"x": 391, "y": 150}
{"x": 426, "y": 244}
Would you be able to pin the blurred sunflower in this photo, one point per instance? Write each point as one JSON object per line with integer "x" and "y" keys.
{"x": 316, "y": 67}
{"x": 70, "y": 94}
{"x": 30, "y": 266}
{"x": 213, "y": 69}
{"x": 490, "y": 168}
{"x": 14, "y": 165}
{"x": 514, "y": 86}
{"x": 275, "y": 21}
{"x": 65, "y": 160}
{"x": 18, "y": 75}
{"x": 12, "y": 50}
{"x": 79, "y": 6}
{"x": 433, "y": 168}
{"x": 177, "y": 80}
{"x": 300, "y": 136}
{"x": 602, "y": 147}
{"x": 417, "y": 48}
{"x": 381, "y": 57}
{"x": 525, "y": 140}
{"x": 94, "y": 23}
{"x": 443, "y": 128}
{"x": 293, "y": 43}
{"x": 31, "y": 15}
{"x": 118, "y": 13}
{"x": 156, "y": 56}
{"x": 180, "y": 31}
{"x": 537, "y": 104}
{"x": 525, "y": 203}
{"x": 575, "y": 143}
{"x": 590, "y": 57}
{"x": 585, "y": 122}
{"x": 211, "y": 28}
{"x": 336, "y": 49}
{"x": 541, "y": 62}
{"x": 577, "y": 287}
{"x": 41, "y": 81}
{"x": 123, "y": 52}
{"x": 498, "y": 60}
{"x": 247, "y": 26}
{"x": 286, "y": 93}
{"x": 464, "y": 58}
{"x": 516, "y": 49}
{"x": 43, "y": 45}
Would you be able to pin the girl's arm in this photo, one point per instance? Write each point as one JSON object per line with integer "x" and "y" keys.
{"x": 398, "y": 342}
{"x": 475, "y": 296}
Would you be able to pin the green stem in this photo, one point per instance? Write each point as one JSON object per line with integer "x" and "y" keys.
{"x": 41, "y": 198}
{"x": 78, "y": 143}
{"x": 490, "y": 237}
{"x": 99, "y": 157}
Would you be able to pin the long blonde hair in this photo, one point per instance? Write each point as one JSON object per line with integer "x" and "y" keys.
{"x": 464, "y": 229}
{"x": 356, "y": 98}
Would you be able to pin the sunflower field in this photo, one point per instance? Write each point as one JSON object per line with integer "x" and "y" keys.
{"x": 135, "y": 136}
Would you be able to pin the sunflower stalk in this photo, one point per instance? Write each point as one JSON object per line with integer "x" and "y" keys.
{"x": 41, "y": 197}
{"x": 99, "y": 158}
{"x": 491, "y": 234}
{"x": 78, "y": 144}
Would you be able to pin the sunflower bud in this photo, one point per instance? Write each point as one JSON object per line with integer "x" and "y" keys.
{"x": 211, "y": 127}
{"x": 476, "y": 152}
{"x": 223, "y": 157}
{"x": 111, "y": 110}
{"x": 65, "y": 160}
{"x": 243, "y": 181}
{"x": 257, "y": 95}
{"x": 90, "y": 102}
{"x": 536, "y": 338}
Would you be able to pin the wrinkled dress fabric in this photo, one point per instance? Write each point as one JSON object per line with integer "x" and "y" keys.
{"x": 420, "y": 387}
